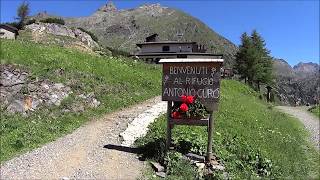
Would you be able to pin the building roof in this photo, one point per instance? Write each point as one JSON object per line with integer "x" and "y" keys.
{"x": 177, "y": 53}
{"x": 9, "y": 28}
{"x": 153, "y": 35}
{"x": 180, "y": 60}
{"x": 164, "y": 42}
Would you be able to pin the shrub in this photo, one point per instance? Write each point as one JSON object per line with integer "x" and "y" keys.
{"x": 117, "y": 52}
{"x": 90, "y": 33}
{"x": 30, "y": 21}
{"x": 53, "y": 20}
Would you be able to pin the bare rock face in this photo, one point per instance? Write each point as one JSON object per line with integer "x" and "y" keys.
{"x": 11, "y": 82}
{"x": 40, "y": 29}
{"x": 19, "y": 94}
{"x": 109, "y": 7}
{"x": 306, "y": 69}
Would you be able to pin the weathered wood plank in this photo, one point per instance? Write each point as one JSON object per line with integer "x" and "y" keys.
{"x": 192, "y": 122}
{"x": 197, "y": 79}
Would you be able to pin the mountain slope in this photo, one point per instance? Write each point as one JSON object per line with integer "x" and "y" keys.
{"x": 122, "y": 29}
{"x": 297, "y": 85}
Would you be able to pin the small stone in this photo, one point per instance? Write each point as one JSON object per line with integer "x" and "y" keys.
{"x": 161, "y": 174}
{"x": 94, "y": 103}
{"x": 195, "y": 157}
{"x": 157, "y": 167}
{"x": 77, "y": 108}
{"x": 45, "y": 86}
{"x": 225, "y": 175}
{"x": 16, "y": 106}
{"x": 218, "y": 167}
{"x": 200, "y": 165}
{"x": 58, "y": 85}
{"x": 82, "y": 96}
{"x": 32, "y": 87}
{"x": 214, "y": 162}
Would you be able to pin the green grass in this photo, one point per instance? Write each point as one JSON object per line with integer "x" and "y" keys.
{"x": 251, "y": 138}
{"x": 116, "y": 83}
{"x": 316, "y": 111}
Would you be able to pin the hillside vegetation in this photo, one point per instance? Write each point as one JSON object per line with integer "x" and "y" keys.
{"x": 315, "y": 110}
{"x": 250, "y": 138}
{"x": 116, "y": 83}
{"x": 122, "y": 29}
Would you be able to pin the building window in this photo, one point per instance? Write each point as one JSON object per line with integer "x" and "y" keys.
{"x": 165, "y": 48}
{"x": 1, "y": 33}
{"x": 181, "y": 56}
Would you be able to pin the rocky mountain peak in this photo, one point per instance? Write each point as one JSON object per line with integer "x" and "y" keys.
{"x": 282, "y": 61}
{"x": 151, "y": 6}
{"x": 109, "y": 7}
{"x": 42, "y": 15}
{"x": 309, "y": 67}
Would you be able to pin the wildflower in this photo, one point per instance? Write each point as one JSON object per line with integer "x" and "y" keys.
{"x": 190, "y": 99}
{"x": 176, "y": 115}
{"x": 184, "y": 107}
{"x": 184, "y": 98}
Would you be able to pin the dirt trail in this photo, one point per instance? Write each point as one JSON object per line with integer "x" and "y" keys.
{"x": 310, "y": 121}
{"x": 82, "y": 154}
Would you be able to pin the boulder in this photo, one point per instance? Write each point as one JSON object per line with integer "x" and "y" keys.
{"x": 17, "y": 106}
{"x": 157, "y": 167}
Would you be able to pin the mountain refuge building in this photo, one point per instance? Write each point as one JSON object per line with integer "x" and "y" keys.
{"x": 152, "y": 50}
{"x": 8, "y": 32}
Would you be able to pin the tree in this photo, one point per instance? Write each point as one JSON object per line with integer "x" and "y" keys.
{"x": 22, "y": 13}
{"x": 253, "y": 61}
{"x": 241, "y": 64}
{"x": 263, "y": 67}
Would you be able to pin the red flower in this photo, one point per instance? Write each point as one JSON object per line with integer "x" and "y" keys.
{"x": 176, "y": 115}
{"x": 190, "y": 99}
{"x": 184, "y": 98}
{"x": 184, "y": 107}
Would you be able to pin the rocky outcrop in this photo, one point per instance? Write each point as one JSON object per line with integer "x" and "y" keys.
{"x": 109, "y": 7}
{"x": 61, "y": 30}
{"x": 19, "y": 94}
{"x": 306, "y": 69}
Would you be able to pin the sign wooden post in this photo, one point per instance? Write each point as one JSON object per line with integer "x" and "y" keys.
{"x": 195, "y": 77}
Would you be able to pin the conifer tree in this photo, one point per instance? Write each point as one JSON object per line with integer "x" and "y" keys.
{"x": 253, "y": 61}
{"x": 241, "y": 62}
{"x": 22, "y": 13}
{"x": 263, "y": 68}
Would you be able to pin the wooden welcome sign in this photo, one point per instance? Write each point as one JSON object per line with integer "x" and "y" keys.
{"x": 190, "y": 77}
{"x": 195, "y": 77}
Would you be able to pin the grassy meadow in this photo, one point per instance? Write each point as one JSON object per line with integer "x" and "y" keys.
{"x": 316, "y": 111}
{"x": 251, "y": 138}
{"x": 116, "y": 83}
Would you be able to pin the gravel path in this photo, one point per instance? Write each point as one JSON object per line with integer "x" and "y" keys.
{"x": 83, "y": 154}
{"x": 310, "y": 121}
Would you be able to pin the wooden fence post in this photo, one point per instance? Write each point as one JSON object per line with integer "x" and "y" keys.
{"x": 168, "y": 144}
{"x": 210, "y": 134}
